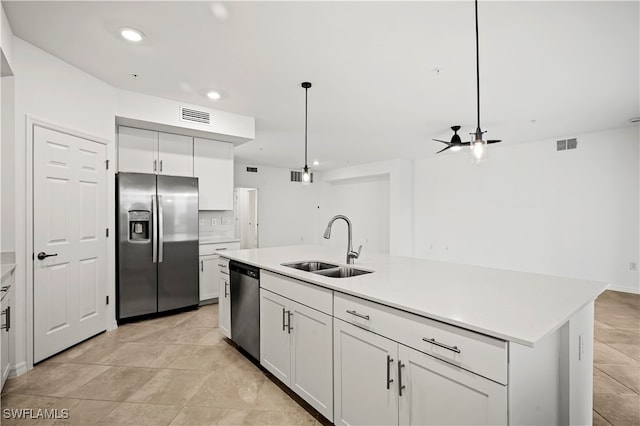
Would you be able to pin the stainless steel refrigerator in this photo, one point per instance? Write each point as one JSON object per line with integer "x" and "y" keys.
{"x": 157, "y": 248}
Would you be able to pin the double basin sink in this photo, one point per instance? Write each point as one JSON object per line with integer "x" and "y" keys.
{"x": 327, "y": 269}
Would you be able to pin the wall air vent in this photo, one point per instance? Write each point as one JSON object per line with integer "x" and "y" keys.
{"x": 252, "y": 169}
{"x": 565, "y": 144}
{"x": 195, "y": 116}
{"x": 296, "y": 176}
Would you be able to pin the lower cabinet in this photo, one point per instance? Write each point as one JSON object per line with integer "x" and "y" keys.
{"x": 5, "y": 327}
{"x": 380, "y": 381}
{"x": 224, "y": 298}
{"x": 209, "y": 282}
{"x": 296, "y": 347}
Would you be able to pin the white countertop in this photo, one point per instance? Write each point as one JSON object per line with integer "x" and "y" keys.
{"x": 210, "y": 239}
{"x": 514, "y": 306}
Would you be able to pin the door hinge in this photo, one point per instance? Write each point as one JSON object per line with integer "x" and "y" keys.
{"x": 106, "y": 162}
{"x": 107, "y": 300}
{"x": 107, "y": 232}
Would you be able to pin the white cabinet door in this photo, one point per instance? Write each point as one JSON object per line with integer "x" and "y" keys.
{"x": 438, "y": 393}
{"x": 137, "y": 150}
{"x": 224, "y": 306}
{"x": 209, "y": 277}
{"x": 175, "y": 155}
{"x": 4, "y": 337}
{"x": 213, "y": 166}
{"x": 311, "y": 357}
{"x": 275, "y": 346}
{"x": 365, "y": 383}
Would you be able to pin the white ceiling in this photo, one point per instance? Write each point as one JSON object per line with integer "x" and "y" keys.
{"x": 570, "y": 66}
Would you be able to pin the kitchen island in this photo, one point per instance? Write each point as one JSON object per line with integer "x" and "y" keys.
{"x": 515, "y": 347}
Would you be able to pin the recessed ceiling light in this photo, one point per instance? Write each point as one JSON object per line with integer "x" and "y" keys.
{"x": 131, "y": 34}
{"x": 212, "y": 94}
{"x": 316, "y": 163}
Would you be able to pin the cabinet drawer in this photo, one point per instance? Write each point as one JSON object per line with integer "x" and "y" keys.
{"x": 307, "y": 294}
{"x": 216, "y": 248}
{"x": 223, "y": 264}
{"x": 466, "y": 349}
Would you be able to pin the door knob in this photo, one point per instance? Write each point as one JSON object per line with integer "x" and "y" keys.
{"x": 42, "y": 255}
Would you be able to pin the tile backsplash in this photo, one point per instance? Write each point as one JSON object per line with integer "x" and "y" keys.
{"x": 217, "y": 223}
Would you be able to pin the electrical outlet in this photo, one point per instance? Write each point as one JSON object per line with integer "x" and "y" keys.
{"x": 633, "y": 266}
{"x": 225, "y": 220}
{"x": 214, "y": 221}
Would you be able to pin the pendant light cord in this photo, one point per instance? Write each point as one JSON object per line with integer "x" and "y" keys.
{"x": 306, "y": 90}
{"x": 477, "y": 65}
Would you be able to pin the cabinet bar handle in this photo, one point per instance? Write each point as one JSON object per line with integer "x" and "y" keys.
{"x": 357, "y": 314}
{"x": 283, "y": 324}
{"x": 160, "y": 165}
{"x": 400, "y": 385}
{"x": 442, "y": 345}
{"x": 221, "y": 265}
{"x": 202, "y": 265}
{"x": 155, "y": 165}
{"x": 221, "y": 249}
{"x": 7, "y": 319}
{"x": 389, "y": 379}
{"x": 226, "y": 284}
{"x": 289, "y": 325}
{"x": 5, "y": 288}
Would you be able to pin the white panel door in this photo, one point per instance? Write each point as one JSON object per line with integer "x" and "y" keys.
{"x": 365, "y": 383}
{"x": 312, "y": 357}
{"x": 439, "y": 393}
{"x": 69, "y": 225}
{"x": 137, "y": 150}
{"x": 175, "y": 153}
{"x": 275, "y": 335}
{"x": 213, "y": 166}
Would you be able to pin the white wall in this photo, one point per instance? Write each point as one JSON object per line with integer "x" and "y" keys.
{"x": 7, "y": 155}
{"x": 365, "y": 201}
{"x": 530, "y": 208}
{"x": 287, "y": 211}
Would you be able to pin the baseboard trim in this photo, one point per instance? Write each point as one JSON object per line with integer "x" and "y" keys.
{"x": 18, "y": 369}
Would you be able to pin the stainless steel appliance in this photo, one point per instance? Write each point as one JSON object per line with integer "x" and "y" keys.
{"x": 157, "y": 248}
{"x": 245, "y": 307}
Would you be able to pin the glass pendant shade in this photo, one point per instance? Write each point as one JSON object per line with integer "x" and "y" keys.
{"x": 478, "y": 150}
{"x": 306, "y": 175}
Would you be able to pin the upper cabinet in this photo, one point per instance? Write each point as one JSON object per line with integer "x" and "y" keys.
{"x": 213, "y": 166}
{"x": 147, "y": 151}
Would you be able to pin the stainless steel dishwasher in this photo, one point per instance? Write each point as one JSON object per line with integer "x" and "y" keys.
{"x": 245, "y": 307}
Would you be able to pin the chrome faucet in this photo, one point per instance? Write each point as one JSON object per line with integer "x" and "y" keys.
{"x": 351, "y": 255}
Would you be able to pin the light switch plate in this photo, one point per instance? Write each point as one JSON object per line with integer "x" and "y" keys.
{"x": 225, "y": 220}
{"x": 214, "y": 221}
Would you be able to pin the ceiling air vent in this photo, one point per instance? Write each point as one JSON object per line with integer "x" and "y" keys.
{"x": 296, "y": 176}
{"x": 565, "y": 144}
{"x": 195, "y": 116}
{"x": 252, "y": 169}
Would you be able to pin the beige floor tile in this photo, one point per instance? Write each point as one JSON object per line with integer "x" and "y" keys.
{"x": 205, "y": 358}
{"x": 170, "y": 387}
{"x": 205, "y": 317}
{"x": 140, "y": 414}
{"x": 133, "y": 332}
{"x": 212, "y": 337}
{"x": 630, "y": 350}
{"x": 619, "y": 410}
{"x": 628, "y": 375}
{"x": 606, "y": 334}
{"x": 171, "y": 320}
{"x": 266, "y": 417}
{"x": 19, "y": 406}
{"x": 60, "y": 411}
{"x": 624, "y": 320}
{"x": 53, "y": 379}
{"x": 605, "y": 354}
{"x": 88, "y": 412}
{"x": 152, "y": 355}
{"x": 116, "y": 384}
{"x": 175, "y": 335}
{"x": 271, "y": 397}
{"x": 598, "y": 420}
{"x": 603, "y": 383}
{"x": 220, "y": 391}
{"x": 199, "y": 416}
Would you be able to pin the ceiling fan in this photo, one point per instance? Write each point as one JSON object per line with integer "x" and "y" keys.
{"x": 456, "y": 143}
{"x": 478, "y": 145}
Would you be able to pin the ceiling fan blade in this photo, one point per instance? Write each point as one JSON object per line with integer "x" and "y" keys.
{"x": 494, "y": 141}
{"x": 443, "y": 149}
{"x": 438, "y": 140}
{"x": 465, "y": 143}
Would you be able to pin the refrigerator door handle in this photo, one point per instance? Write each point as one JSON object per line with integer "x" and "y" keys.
{"x": 154, "y": 226}
{"x": 160, "y": 231}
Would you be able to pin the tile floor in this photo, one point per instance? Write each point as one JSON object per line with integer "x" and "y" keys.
{"x": 178, "y": 370}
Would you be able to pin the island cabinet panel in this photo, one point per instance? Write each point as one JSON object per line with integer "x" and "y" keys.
{"x": 224, "y": 298}
{"x": 365, "y": 377}
{"x": 438, "y": 393}
{"x": 296, "y": 347}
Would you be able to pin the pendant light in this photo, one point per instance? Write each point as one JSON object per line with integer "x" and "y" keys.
{"x": 478, "y": 146}
{"x": 306, "y": 171}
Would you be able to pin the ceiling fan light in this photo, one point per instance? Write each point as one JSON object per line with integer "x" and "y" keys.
{"x": 478, "y": 151}
{"x": 306, "y": 175}
{"x": 456, "y": 148}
